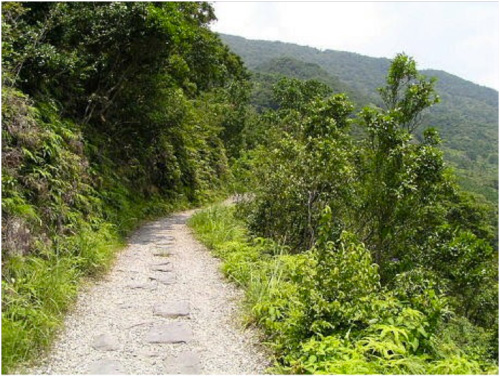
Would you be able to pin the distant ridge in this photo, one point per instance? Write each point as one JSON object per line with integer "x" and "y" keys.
{"x": 277, "y": 49}
{"x": 467, "y": 117}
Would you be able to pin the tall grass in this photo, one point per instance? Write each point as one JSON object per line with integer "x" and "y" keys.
{"x": 258, "y": 265}
{"x": 39, "y": 289}
{"x": 277, "y": 301}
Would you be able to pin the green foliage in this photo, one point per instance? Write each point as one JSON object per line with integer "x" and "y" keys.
{"x": 324, "y": 311}
{"x": 386, "y": 249}
{"x": 307, "y": 146}
{"x": 391, "y": 191}
{"x": 403, "y": 182}
{"x": 371, "y": 260}
{"x": 467, "y": 117}
{"x": 112, "y": 113}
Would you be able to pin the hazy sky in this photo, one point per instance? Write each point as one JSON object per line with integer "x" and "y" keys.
{"x": 458, "y": 37}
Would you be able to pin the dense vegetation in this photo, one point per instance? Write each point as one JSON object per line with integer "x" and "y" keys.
{"x": 112, "y": 112}
{"x": 467, "y": 117}
{"x": 366, "y": 255}
{"x": 358, "y": 249}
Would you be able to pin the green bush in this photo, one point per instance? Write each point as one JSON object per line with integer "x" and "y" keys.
{"x": 324, "y": 311}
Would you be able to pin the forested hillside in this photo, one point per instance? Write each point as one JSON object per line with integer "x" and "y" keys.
{"x": 358, "y": 250}
{"x": 467, "y": 116}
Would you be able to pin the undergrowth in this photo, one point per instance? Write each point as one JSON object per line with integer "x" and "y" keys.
{"x": 38, "y": 290}
{"x": 63, "y": 218}
{"x": 324, "y": 311}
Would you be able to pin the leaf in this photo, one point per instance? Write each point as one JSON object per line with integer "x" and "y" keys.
{"x": 312, "y": 359}
{"x": 415, "y": 343}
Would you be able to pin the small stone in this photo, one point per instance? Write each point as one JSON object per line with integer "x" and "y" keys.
{"x": 106, "y": 367}
{"x": 105, "y": 342}
{"x": 164, "y": 244}
{"x": 186, "y": 363}
{"x": 162, "y": 254}
{"x": 127, "y": 270}
{"x": 144, "y": 286}
{"x": 166, "y": 279}
{"x": 176, "y": 332}
{"x": 165, "y": 263}
{"x": 162, "y": 268}
{"x": 172, "y": 310}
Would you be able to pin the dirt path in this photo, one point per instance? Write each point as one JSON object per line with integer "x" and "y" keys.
{"x": 164, "y": 308}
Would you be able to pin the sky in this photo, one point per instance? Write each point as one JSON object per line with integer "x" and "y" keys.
{"x": 461, "y": 38}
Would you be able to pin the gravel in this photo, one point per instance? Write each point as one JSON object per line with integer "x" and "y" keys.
{"x": 108, "y": 330}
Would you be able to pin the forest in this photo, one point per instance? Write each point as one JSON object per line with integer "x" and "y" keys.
{"x": 360, "y": 244}
{"x": 467, "y": 116}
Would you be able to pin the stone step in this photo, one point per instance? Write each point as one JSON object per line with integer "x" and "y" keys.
{"x": 162, "y": 268}
{"x": 165, "y": 279}
{"x": 185, "y": 363}
{"x": 106, "y": 367}
{"x": 105, "y": 342}
{"x": 172, "y": 310}
{"x": 176, "y": 332}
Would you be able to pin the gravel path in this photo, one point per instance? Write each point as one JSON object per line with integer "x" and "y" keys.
{"x": 163, "y": 309}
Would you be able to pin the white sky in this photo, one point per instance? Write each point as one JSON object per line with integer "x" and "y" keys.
{"x": 461, "y": 38}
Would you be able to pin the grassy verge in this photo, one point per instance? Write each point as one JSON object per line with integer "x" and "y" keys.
{"x": 37, "y": 290}
{"x": 318, "y": 319}
{"x": 256, "y": 265}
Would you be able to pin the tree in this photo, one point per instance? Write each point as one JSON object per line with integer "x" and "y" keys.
{"x": 403, "y": 182}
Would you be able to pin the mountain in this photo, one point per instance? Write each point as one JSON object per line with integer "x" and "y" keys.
{"x": 270, "y": 72}
{"x": 466, "y": 117}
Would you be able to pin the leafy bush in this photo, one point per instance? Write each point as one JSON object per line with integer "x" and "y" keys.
{"x": 390, "y": 189}
{"x": 324, "y": 311}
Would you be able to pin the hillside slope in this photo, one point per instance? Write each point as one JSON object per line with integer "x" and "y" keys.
{"x": 467, "y": 117}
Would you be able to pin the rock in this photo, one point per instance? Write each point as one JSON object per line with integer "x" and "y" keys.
{"x": 105, "y": 342}
{"x": 162, "y": 268}
{"x": 172, "y": 310}
{"x": 186, "y": 363}
{"x": 145, "y": 286}
{"x": 106, "y": 367}
{"x": 177, "y": 332}
{"x": 128, "y": 270}
{"x": 164, "y": 244}
{"x": 165, "y": 263}
{"x": 162, "y": 254}
{"x": 166, "y": 279}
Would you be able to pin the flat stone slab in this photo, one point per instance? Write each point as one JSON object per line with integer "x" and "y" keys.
{"x": 164, "y": 244}
{"x": 162, "y": 268}
{"x": 165, "y": 279}
{"x": 166, "y": 240}
{"x": 105, "y": 342}
{"x": 164, "y": 263}
{"x": 144, "y": 286}
{"x": 186, "y": 363}
{"x": 164, "y": 249}
{"x": 162, "y": 254}
{"x": 106, "y": 367}
{"x": 172, "y": 310}
{"x": 176, "y": 332}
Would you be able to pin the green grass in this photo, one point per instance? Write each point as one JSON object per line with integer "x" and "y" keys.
{"x": 277, "y": 301}
{"x": 39, "y": 290}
